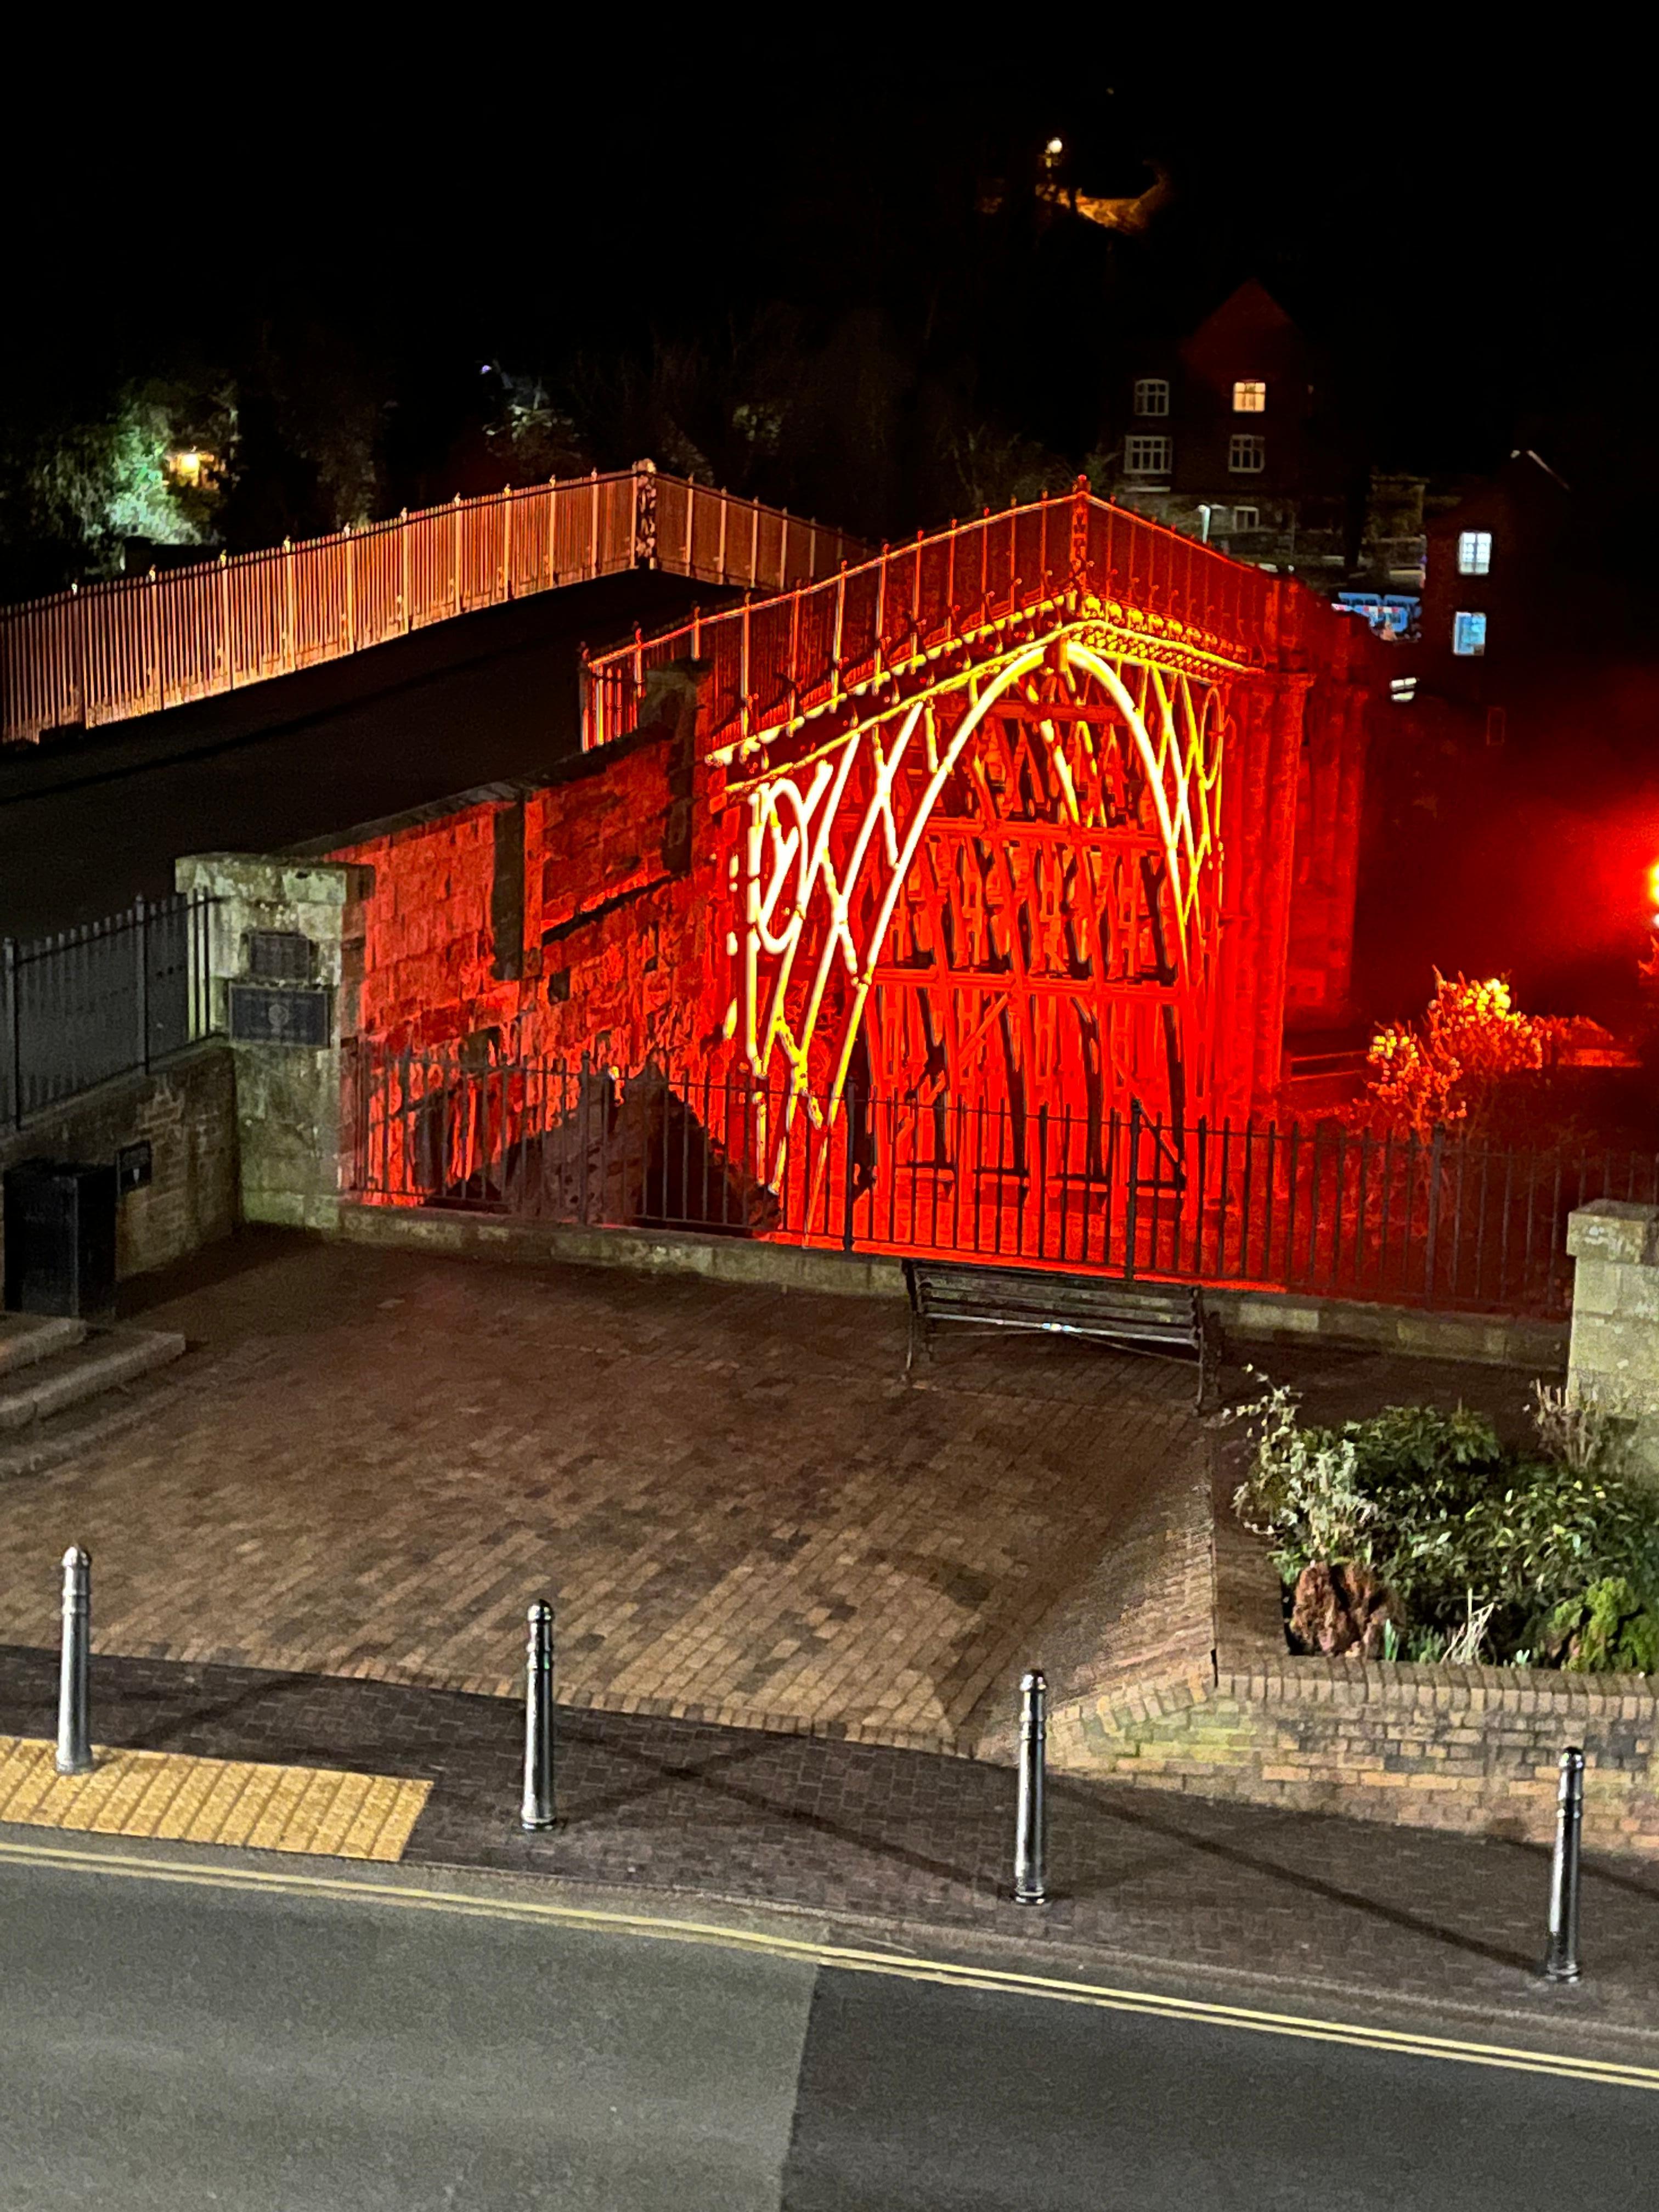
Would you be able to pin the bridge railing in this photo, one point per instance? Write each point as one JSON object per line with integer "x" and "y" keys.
{"x": 1445, "y": 1222}
{"x": 778, "y": 657}
{"x": 83, "y": 658}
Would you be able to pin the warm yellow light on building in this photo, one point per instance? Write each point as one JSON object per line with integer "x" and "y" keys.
{"x": 190, "y": 466}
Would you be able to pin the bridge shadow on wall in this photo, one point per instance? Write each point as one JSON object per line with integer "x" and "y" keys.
{"x": 630, "y": 1153}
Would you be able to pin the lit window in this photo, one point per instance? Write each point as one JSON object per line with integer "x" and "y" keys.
{"x": 1474, "y": 552}
{"x": 1247, "y": 517}
{"x": 1468, "y": 634}
{"x": 1251, "y": 397}
{"x": 1247, "y": 455}
{"x": 1147, "y": 457}
{"x": 1153, "y": 395}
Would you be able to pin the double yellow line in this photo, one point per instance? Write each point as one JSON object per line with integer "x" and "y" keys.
{"x": 897, "y": 1964}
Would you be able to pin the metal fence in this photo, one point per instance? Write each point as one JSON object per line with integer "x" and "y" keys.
{"x": 130, "y": 646}
{"x": 795, "y": 651}
{"x": 1440, "y": 1222}
{"x": 89, "y": 1003}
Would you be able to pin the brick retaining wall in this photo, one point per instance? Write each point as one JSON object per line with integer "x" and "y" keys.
{"x": 186, "y": 1112}
{"x": 1473, "y": 1748}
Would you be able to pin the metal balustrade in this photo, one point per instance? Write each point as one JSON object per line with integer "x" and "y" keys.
{"x": 1440, "y": 1222}
{"x": 779, "y": 657}
{"x": 86, "y": 657}
{"x": 87, "y": 1005}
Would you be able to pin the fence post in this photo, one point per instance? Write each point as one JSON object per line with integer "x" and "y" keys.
{"x": 455, "y": 551}
{"x": 537, "y": 1809}
{"x": 75, "y": 1668}
{"x": 1561, "y": 1958}
{"x": 1030, "y": 1820}
{"x": 224, "y": 621}
{"x": 1130, "y": 1222}
{"x": 506, "y": 541}
{"x": 13, "y": 1031}
{"x": 289, "y": 622}
{"x": 141, "y": 930}
{"x": 743, "y": 676}
{"x": 350, "y": 589}
{"x": 1437, "y": 1149}
{"x": 405, "y": 563}
{"x": 848, "y": 1102}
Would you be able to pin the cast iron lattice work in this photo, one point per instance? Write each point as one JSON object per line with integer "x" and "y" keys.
{"x": 976, "y": 812}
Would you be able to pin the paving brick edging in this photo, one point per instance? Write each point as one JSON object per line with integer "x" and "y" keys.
{"x": 1250, "y": 1315}
{"x": 1470, "y": 1748}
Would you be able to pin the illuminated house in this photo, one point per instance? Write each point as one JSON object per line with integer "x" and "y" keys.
{"x": 1490, "y": 588}
{"x": 1231, "y": 437}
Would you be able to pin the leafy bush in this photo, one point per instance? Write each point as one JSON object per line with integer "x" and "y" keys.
{"x": 1483, "y": 1549}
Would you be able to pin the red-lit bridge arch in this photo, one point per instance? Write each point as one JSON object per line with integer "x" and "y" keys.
{"x": 1008, "y": 819}
{"x": 935, "y": 888}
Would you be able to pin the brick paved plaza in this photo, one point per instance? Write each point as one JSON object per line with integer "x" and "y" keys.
{"x": 370, "y": 1461}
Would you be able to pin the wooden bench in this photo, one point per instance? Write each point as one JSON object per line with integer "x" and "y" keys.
{"x": 1166, "y": 1319}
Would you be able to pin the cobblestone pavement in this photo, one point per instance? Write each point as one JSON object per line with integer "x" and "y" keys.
{"x": 372, "y": 1460}
{"x": 1302, "y": 1907}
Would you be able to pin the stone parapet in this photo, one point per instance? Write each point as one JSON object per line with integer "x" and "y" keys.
{"x": 1613, "y": 1356}
{"x": 288, "y": 1093}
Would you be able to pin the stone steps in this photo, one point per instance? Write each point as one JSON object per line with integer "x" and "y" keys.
{"x": 63, "y": 1387}
{"x": 27, "y": 1338}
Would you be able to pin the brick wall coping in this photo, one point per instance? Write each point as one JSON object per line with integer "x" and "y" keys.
{"x": 1252, "y": 1664}
{"x": 1533, "y": 1348}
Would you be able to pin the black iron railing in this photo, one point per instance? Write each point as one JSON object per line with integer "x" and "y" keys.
{"x": 90, "y": 1004}
{"x": 1443, "y": 1221}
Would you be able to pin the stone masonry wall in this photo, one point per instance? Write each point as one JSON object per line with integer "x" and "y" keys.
{"x": 288, "y": 1145}
{"x": 186, "y": 1112}
{"x": 1614, "y": 1353}
{"x": 566, "y": 918}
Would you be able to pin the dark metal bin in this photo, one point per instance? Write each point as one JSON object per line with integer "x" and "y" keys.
{"x": 60, "y": 1238}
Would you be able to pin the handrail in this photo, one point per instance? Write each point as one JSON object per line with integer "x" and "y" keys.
{"x": 773, "y": 659}
{"x": 86, "y": 657}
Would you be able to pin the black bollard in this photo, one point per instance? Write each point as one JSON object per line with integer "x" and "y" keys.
{"x": 1561, "y": 1959}
{"x": 1030, "y": 1822}
{"x": 537, "y": 1810}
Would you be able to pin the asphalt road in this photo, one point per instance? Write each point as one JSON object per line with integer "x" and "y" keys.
{"x": 90, "y": 820}
{"x": 180, "y": 2044}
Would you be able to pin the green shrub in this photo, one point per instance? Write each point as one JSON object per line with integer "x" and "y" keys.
{"x": 1609, "y": 1628}
{"x": 1558, "y": 1557}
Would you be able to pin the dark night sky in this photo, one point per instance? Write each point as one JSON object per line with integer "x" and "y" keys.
{"x": 1471, "y": 236}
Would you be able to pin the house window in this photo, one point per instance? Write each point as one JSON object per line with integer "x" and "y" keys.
{"x": 1468, "y": 634}
{"x": 1474, "y": 552}
{"x": 1247, "y": 517}
{"x": 1250, "y": 397}
{"x": 1247, "y": 455}
{"x": 1146, "y": 456}
{"x": 1153, "y": 395}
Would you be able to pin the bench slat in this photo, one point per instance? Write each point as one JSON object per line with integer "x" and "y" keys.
{"x": 1162, "y": 1318}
